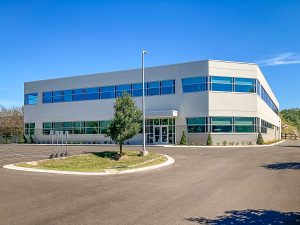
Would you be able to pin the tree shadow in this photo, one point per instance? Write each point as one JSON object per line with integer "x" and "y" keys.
{"x": 283, "y": 166}
{"x": 113, "y": 155}
{"x": 251, "y": 217}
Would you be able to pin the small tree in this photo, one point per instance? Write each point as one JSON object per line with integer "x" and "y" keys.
{"x": 209, "y": 140}
{"x": 23, "y": 139}
{"x": 260, "y": 140}
{"x": 126, "y": 122}
{"x": 183, "y": 140}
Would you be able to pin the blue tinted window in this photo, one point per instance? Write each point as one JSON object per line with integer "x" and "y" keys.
{"x": 153, "y": 88}
{"x": 244, "y": 85}
{"x": 221, "y": 87}
{"x": 167, "y": 87}
{"x": 30, "y": 99}
{"x": 92, "y": 93}
{"x": 194, "y": 80}
{"x": 67, "y": 95}
{"x": 194, "y": 84}
{"x": 221, "y": 83}
{"x": 245, "y": 81}
{"x": 78, "y": 95}
{"x": 47, "y": 97}
{"x": 57, "y": 96}
{"x": 245, "y": 88}
{"x": 137, "y": 89}
{"x": 223, "y": 80}
{"x": 107, "y": 92}
{"x": 123, "y": 88}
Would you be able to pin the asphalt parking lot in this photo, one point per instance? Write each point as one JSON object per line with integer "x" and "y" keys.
{"x": 204, "y": 186}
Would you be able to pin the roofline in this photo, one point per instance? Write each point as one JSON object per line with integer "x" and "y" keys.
{"x": 150, "y": 67}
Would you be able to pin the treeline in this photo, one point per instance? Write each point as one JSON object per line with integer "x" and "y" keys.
{"x": 291, "y": 116}
{"x": 11, "y": 122}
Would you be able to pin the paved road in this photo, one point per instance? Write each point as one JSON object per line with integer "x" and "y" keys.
{"x": 202, "y": 184}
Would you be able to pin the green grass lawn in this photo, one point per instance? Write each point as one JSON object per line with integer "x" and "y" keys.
{"x": 98, "y": 162}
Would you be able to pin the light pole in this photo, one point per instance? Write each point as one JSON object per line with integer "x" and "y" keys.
{"x": 144, "y": 151}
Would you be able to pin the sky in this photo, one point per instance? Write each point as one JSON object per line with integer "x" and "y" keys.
{"x": 57, "y": 38}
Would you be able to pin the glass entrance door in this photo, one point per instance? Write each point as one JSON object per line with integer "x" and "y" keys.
{"x": 161, "y": 134}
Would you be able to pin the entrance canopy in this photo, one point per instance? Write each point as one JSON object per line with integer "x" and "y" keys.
{"x": 163, "y": 113}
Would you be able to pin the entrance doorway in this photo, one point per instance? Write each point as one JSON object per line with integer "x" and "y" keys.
{"x": 161, "y": 134}
{"x": 160, "y": 131}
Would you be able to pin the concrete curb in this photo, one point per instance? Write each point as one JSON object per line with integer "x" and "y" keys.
{"x": 108, "y": 172}
{"x": 216, "y": 146}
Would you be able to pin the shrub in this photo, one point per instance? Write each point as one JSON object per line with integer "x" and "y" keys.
{"x": 183, "y": 140}
{"x": 224, "y": 142}
{"x": 24, "y": 139}
{"x": 209, "y": 140}
{"x": 260, "y": 140}
{"x": 30, "y": 140}
{"x": 231, "y": 143}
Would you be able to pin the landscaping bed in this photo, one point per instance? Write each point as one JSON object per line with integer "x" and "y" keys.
{"x": 97, "y": 162}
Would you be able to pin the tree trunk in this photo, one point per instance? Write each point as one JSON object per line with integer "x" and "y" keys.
{"x": 121, "y": 145}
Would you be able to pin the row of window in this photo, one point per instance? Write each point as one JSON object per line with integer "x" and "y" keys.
{"x": 266, "y": 98}
{"x": 191, "y": 84}
{"x": 225, "y": 125}
{"x": 78, "y": 127}
{"x": 107, "y": 92}
{"x": 217, "y": 83}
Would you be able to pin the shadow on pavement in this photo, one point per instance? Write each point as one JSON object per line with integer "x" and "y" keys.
{"x": 253, "y": 217}
{"x": 283, "y": 166}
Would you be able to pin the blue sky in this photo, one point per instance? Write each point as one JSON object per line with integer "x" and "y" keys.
{"x": 46, "y": 39}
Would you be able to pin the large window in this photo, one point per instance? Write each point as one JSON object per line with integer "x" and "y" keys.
{"x": 244, "y": 85}
{"x": 91, "y": 93}
{"x": 78, "y": 95}
{"x": 245, "y": 124}
{"x": 30, "y": 99}
{"x": 58, "y": 96}
{"x": 194, "y": 84}
{"x": 196, "y": 125}
{"x": 104, "y": 125}
{"x": 221, "y": 83}
{"x": 47, "y": 127}
{"x": 221, "y": 124}
{"x": 107, "y": 92}
{"x": 120, "y": 89}
{"x": 137, "y": 89}
{"x": 153, "y": 88}
{"x": 167, "y": 87}
{"x": 47, "y": 97}
{"x": 91, "y": 127}
{"x": 29, "y": 128}
{"x": 266, "y": 98}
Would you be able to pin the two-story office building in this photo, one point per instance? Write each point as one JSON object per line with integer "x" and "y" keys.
{"x": 231, "y": 100}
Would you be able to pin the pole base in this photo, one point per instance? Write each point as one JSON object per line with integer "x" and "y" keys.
{"x": 144, "y": 153}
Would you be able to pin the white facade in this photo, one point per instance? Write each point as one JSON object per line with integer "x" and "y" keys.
{"x": 179, "y": 105}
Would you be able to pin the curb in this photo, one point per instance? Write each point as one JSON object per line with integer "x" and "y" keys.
{"x": 217, "y": 146}
{"x": 108, "y": 172}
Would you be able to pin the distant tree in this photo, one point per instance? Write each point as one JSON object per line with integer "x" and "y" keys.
{"x": 209, "y": 140}
{"x": 291, "y": 116}
{"x": 260, "y": 140}
{"x": 126, "y": 122}
{"x": 183, "y": 140}
{"x": 11, "y": 121}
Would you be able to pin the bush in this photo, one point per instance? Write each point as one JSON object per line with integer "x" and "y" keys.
{"x": 24, "y": 139}
{"x": 209, "y": 140}
{"x": 30, "y": 140}
{"x": 183, "y": 140}
{"x": 225, "y": 143}
{"x": 260, "y": 140}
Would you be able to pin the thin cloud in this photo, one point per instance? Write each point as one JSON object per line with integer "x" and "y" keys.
{"x": 282, "y": 59}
